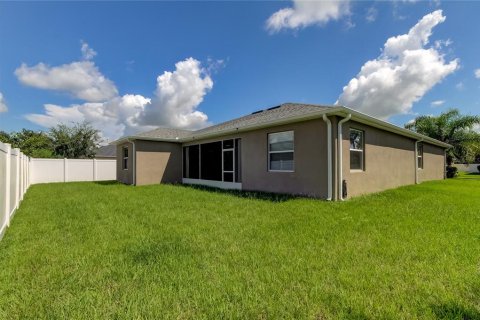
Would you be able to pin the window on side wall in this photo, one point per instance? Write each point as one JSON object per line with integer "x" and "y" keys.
{"x": 125, "y": 158}
{"x": 281, "y": 151}
{"x": 420, "y": 155}
{"x": 357, "y": 146}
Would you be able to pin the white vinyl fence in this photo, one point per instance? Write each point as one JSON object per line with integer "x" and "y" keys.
{"x": 14, "y": 182}
{"x": 18, "y": 172}
{"x": 470, "y": 168}
{"x": 67, "y": 170}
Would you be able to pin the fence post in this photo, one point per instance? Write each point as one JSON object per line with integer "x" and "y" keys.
{"x": 21, "y": 176}
{"x": 94, "y": 169}
{"x": 7, "y": 183}
{"x": 17, "y": 178}
{"x": 64, "y": 169}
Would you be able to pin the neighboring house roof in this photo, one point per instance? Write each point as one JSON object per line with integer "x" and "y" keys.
{"x": 108, "y": 151}
{"x": 282, "y": 114}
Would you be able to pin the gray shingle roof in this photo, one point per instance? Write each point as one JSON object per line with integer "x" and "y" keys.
{"x": 284, "y": 111}
{"x": 165, "y": 133}
{"x": 108, "y": 151}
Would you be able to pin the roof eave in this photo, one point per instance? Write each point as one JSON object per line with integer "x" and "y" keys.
{"x": 374, "y": 122}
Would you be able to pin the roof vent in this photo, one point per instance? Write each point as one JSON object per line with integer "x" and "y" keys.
{"x": 273, "y": 108}
{"x": 257, "y": 111}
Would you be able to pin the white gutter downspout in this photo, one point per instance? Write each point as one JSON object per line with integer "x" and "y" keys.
{"x": 329, "y": 155}
{"x": 134, "y": 178}
{"x": 416, "y": 160}
{"x": 340, "y": 156}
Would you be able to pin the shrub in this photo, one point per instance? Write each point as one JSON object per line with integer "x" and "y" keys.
{"x": 451, "y": 171}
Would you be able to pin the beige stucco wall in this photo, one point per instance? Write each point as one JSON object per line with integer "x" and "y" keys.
{"x": 158, "y": 162}
{"x": 310, "y": 155}
{"x": 389, "y": 161}
{"x": 125, "y": 176}
{"x": 433, "y": 163}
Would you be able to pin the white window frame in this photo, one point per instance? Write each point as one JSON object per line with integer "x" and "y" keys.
{"x": 361, "y": 151}
{"x": 232, "y": 149}
{"x": 125, "y": 159}
{"x": 282, "y": 151}
{"x": 420, "y": 155}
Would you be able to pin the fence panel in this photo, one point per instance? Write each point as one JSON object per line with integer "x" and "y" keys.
{"x": 3, "y": 187}
{"x": 79, "y": 170}
{"x": 67, "y": 170}
{"x": 470, "y": 168}
{"x": 106, "y": 170}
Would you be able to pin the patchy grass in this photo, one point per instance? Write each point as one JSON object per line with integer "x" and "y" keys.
{"x": 97, "y": 251}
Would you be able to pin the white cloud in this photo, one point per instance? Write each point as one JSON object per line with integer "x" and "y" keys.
{"x": 114, "y": 118}
{"x": 401, "y": 75}
{"x": 460, "y": 86}
{"x": 477, "y": 73}
{"x": 174, "y": 105}
{"x": 3, "y": 104}
{"x": 178, "y": 95}
{"x": 82, "y": 79}
{"x": 87, "y": 52}
{"x": 437, "y": 103}
{"x": 371, "y": 14}
{"x": 306, "y": 13}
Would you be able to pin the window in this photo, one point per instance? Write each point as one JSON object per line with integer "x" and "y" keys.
{"x": 280, "y": 151}
{"x": 420, "y": 155}
{"x": 125, "y": 158}
{"x": 191, "y": 165}
{"x": 356, "y": 150}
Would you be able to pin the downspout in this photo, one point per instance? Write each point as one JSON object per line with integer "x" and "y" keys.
{"x": 329, "y": 155}
{"x": 416, "y": 160}
{"x": 340, "y": 156}
{"x": 134, "y": 175}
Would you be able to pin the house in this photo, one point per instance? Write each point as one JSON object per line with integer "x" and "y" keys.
{"x": 328, "y": 152}
{"x": 108, "y": 152}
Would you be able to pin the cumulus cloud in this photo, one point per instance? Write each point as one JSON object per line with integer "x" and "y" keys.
{"x": 306, "y": 13}
{"x": 401, "y": 75}
{"x": 178, "y": 95}
{"x": 87, "y": 52}
{"x": 114, "y": 118}
{"x": 176, "y": 99}
{"x": 437, "y": 103}
{"x": 477, "y": 73}
{"x": 3, "y": 104}
{"x": 81, "y": 79}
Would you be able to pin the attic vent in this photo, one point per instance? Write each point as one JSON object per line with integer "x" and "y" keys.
{"x": 257, "y": 111}
{"x": 273, "y": 108}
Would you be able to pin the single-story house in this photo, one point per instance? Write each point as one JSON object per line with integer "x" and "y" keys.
{"x": 328, "y": 152}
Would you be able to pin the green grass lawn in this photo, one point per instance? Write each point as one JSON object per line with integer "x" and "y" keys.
{"x": 98, "y": 251}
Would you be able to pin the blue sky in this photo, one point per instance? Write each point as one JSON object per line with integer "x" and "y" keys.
{"x": 227, "y": 59}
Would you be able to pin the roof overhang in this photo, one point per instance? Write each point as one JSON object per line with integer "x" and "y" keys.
{"x": 332, "y": 111}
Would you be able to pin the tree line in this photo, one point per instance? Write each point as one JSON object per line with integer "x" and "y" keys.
{"x": 79, "y": 140}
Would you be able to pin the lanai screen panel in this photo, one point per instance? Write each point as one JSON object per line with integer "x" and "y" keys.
{"x": 211, "y": 161}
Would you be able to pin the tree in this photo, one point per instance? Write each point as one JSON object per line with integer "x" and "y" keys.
{"x": 35, "y": 144}
{"x": 453, "y": 128}
{"x": 80, "y": 140}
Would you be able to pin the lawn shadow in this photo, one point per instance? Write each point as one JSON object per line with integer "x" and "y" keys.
{"x": 455, "y": 311}
{"x": 256, "y": 195}
{"x": 107, "y": 183}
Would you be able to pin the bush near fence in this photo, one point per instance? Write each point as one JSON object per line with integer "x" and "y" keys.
{"x": 18, "y": 172}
